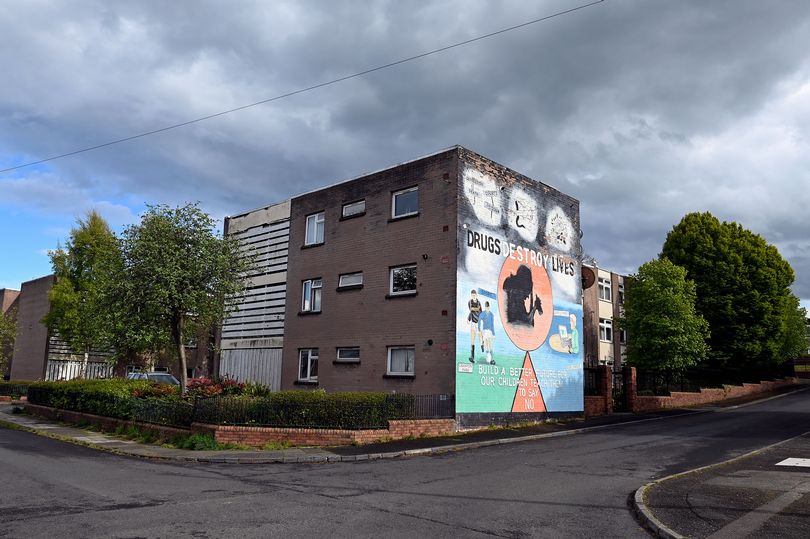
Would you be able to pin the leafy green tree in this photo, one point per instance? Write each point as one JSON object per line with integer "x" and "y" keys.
{"x": 83, "y": 270}
{"x": 8, "y": 333}
{"x": 743, "y": 290}
{"x": 176, "y": 277}
{"x": 665, "y": 331}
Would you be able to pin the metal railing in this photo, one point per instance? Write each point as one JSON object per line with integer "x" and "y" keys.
{"x": 593, "y": 380}
{"x": 13, "y": 390}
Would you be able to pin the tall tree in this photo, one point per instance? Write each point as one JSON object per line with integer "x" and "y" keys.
{"x": 177, "y": 275}
{"x": 743, "y": 289}
{"x": 83, "y": 270}
{"x": 665, "y": 330}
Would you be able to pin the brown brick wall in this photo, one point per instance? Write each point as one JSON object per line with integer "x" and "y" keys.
{"x": 372, "y": 243}
{"x": 31, "y": 345}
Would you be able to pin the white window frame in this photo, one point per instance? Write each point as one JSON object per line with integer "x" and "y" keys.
{"x": 388, "y": 370}
{"x": 341, "y": 284}
{"x": 621, "y": 293}
{"x": 311, "y": 353}
{"x": 394, "y": 196}
{"x": 391, "y": 281}
{"x": 347, "y": 359}
{"x": 623, "y": 336}
{"x": 308, "y": 295}
{"x": 354, "y": 204}
{"x": 605, "y": 330}
{"x": 605, "y": 291}
{"x": 319, "y": 221}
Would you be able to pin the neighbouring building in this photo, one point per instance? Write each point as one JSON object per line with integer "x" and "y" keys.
{"x": 449, "y": 274}
{"x": 8, "y": 309}
{"x": 603, "y": 305}
{"x": 41, "y": 355}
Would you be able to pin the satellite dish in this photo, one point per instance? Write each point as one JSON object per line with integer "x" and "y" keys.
{"x": 588, "y": 277}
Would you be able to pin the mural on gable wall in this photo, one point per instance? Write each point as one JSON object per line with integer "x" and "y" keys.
{"x": 518, "y": 306}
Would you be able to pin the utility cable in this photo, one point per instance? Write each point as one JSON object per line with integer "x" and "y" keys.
{"x": 307, "y": 89}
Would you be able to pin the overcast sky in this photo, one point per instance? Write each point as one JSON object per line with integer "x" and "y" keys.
{"x": 644, "y": 110}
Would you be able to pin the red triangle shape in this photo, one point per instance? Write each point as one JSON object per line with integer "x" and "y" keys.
{"x": 528, "y": 397}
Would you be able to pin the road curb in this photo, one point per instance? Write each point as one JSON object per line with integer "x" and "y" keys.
{"x": 646, "y": 516}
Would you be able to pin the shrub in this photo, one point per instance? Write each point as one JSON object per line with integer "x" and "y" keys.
{"x": 312, "y": 409}
{"x": 111, "y": 398}
{"x": 208, "y": 387}
{"x": 157, "y": 391}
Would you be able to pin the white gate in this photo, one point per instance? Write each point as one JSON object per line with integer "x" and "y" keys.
{"x": 68, "y": 370}
{"x": 256, "y": 365}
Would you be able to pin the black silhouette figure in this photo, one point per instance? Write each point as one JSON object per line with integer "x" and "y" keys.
{"x": 518, "y": 287}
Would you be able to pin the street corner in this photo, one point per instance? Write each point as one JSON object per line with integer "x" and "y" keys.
{"x": 764, "y": 492}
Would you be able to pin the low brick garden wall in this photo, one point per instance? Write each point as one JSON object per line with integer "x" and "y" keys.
{"x": 706, "y": 396}
{"x": 596, "y": 406}
{"x": 258, "y": 436}
{"x": 108, "y": 424}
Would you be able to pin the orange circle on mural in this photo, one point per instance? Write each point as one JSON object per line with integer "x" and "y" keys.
{"x": 525, "y": 303}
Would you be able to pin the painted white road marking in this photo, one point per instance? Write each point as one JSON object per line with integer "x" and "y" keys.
{"x": 804, "y": 463}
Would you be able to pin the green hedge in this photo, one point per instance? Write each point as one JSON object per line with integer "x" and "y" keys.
{"x": 307, "y": 409}
{"x": 111, "y": 398}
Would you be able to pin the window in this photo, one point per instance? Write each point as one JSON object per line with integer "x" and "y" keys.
{"x": 604, "y": 289}
{"x": 354, "y": 208}
{"x": 623, "y": 336}
{"x": 621, "y": 293}
{"x": 350, "y": 279}
{"x": 314, "y": 233}
{"x": 403, "y": 280}
{"x": 308, "y": 365}
{"x": 349, "y": 354}
{"x": 405, "y": 203}
{"x": 400, "y": 360}
{"x": 311, "y": 296}
{"x": 605, "y": 330}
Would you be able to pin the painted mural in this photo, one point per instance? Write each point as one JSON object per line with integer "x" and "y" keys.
{"x": 518, "y": 305}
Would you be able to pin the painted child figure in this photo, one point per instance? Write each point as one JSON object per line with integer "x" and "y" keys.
{"x": 486, "y": 322}
{"x": 475, "y": 311}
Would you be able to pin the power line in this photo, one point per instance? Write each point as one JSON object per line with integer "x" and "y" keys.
{"x": 307, "y": 89}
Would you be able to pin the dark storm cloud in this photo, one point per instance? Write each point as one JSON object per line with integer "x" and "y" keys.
{"x": 643, "y": 110}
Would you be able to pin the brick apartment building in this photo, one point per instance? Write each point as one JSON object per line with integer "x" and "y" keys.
{"x": 449, "y": 274}
{"x": 603, "y": 304}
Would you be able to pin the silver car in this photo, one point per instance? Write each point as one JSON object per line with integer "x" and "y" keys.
{"x": 159, "y": 377}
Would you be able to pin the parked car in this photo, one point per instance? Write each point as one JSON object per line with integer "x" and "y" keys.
{"x": 159, "y": 377}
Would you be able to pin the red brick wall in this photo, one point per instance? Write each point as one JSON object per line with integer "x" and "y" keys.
{"x": 258, "y": 436}
{"x": 706, "y": 396}
{"x": 595, "y": 406}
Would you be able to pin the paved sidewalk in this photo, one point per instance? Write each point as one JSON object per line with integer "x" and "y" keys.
{"x": 750, "y": 496}
{"x": 400, "y": 448}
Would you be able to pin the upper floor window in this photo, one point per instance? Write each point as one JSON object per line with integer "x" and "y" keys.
{"x": 623, "y": 336}
{"x": 621, "y": 293}
{"x": 308, "y": 365}
{"x": 354, "y": 208}
{"x": 403, "y": 280}
{"x": 350, "y": 279}
{"x": 314, "y": 233}
{"x": 605, "y": 330}
{"x": 604, "y": 289}
{"x": 405, "y": 202}
{"x": 311, "y": 295}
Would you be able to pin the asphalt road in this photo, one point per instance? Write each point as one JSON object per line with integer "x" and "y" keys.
{"x": 571, "y": 486}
